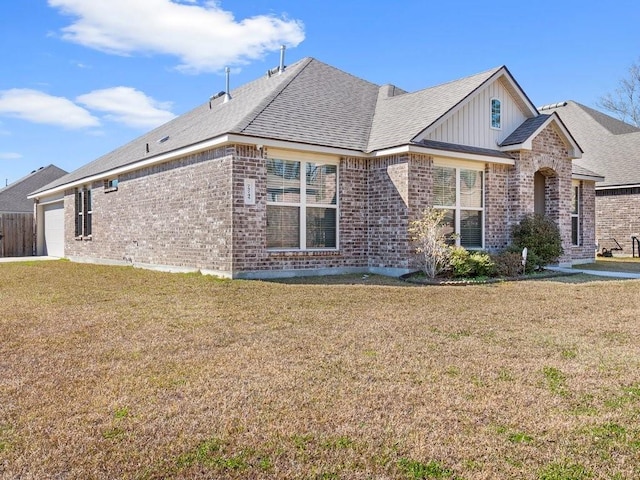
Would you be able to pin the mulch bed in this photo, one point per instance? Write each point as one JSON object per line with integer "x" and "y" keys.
{"x": 418, "y": 278}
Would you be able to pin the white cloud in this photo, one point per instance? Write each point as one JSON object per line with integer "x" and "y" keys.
{"x": 128, "y": 106}
{"x": 9, "y": 156}
{"x": 40, "y": 107}
{"x": 203, "y": 36}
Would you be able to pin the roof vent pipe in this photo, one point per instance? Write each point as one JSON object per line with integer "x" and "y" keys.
{"x": 227, "y": 96}
{"x": 282, "y": 49}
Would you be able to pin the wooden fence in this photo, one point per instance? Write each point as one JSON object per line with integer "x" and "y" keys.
{"x": 16, "y": 234}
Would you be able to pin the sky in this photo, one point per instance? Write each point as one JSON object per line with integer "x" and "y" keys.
{"x": 79, "y": 78}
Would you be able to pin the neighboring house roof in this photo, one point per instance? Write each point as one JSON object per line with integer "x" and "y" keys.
{"x": 309, "y": 103}
{"x": 13, "y": 197}
{"x": 611, "y": 147}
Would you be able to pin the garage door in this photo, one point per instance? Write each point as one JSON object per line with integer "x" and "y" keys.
{"x": 53, "y": 241}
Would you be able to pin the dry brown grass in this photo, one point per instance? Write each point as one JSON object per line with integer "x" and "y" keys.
{"x": 111, "y": 372}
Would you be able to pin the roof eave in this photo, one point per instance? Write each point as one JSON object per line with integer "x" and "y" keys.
{"x": 226, "y": 139}
{"x": 443, "y": 153}
{"x": 590, "y": 178}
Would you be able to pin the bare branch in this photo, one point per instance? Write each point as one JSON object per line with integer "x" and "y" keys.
{"x": 624, "y": 103}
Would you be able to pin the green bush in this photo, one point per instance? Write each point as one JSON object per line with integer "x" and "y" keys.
{"x": 466, "y": 264}
{"x": 542, "y": 238}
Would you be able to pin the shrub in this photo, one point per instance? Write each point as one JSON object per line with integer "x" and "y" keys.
{"x": 533, "y": 261}
{"x": 508, "y": 264}
{"x": 471, "y": 264}
{"x": 542, "y": 238}
{"x": 429, "y": 236}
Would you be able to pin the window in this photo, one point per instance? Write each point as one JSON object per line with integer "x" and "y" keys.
{"x": 496, "y": 114}
{"x": 302, "y": 204}
{"x": 460, "y": 192}
{"x": 83, "y": 212}
{"x": 575, "y": 213}
{"x": 110, "y": 185}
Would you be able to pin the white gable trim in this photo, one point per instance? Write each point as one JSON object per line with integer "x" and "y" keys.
{"x": 574, "y": 151}
{"x": 511, "y": 86}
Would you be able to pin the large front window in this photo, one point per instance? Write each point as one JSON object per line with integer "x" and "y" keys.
{"x": 302, "y": 204}
{"x": 460, "y": 192}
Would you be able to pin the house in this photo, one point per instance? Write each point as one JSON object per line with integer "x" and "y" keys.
{"x": 311, "y": 170}
{"x": 610, "y": 147}
{"x": 16, "y": 211}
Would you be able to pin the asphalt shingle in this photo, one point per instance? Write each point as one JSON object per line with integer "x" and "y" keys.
{"x": 611, "y": 147}
{"x": 13, "y": 198}
{"x": 310, "y": 102}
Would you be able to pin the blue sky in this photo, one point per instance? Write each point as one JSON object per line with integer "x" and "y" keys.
{"x": 79, "y": 78}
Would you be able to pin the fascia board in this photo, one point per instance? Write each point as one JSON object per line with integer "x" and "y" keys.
{"x": 196, "y": 148}
{"x": 443, "y": 153}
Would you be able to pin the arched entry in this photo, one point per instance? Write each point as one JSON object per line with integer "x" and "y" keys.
{"x": 546, "y": 192}
{"x": 539, "y": 193}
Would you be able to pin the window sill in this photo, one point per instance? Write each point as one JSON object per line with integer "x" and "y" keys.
{"x": 112, "y": 189}
{"x": 303, "y": 253}
{"x": 82, "y": 238}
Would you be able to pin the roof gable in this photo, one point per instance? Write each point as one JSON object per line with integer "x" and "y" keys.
{"x": 401, "y": 118}
{"x": 523, "y": 136}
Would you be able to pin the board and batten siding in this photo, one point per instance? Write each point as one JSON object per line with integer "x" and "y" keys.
{"x": 471, "y": 125}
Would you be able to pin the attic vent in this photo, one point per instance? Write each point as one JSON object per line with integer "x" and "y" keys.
{"x": 552, "y": 105}
{"x": 213, "y": 97}
{"x": 163, "y": 139}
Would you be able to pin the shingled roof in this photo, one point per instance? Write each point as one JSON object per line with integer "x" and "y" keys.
{"x": 310, "y": 103}
{"x": 611, "y": 147}
{"x": 13, "y": 197}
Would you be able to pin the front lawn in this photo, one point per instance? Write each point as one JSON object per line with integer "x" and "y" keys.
{"x": 112, "y": 372}
{"x": 615, "y": 264}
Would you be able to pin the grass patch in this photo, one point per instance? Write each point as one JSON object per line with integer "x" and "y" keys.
{"x": 556, "y": 380}
{"x": 565, "y": 471}
{"x": 415, "y": 470}
{"x": 184, "y": 376}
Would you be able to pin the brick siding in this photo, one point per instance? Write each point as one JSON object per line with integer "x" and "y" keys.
{"x": 191, "y": 212}
{"x": 618, "y": 216}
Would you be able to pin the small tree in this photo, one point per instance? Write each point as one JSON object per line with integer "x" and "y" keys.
{"x": 625, "y": 101}
{"x": 542, "y": 238}
{"x": 429, "y": 237}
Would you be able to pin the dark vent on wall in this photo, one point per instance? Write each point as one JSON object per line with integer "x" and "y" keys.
{"x": 613, "y": 192}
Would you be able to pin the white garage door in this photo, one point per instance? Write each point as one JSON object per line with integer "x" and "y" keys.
{"x": 54, "y": 230}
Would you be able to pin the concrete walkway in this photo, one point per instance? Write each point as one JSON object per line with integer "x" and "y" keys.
{"x": 25, "y": 259}
{"x": 599, "y": 273}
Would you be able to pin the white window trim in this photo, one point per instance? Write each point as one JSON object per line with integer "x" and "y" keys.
{"x": 457, "y": 208}
{"x": 491, "y": 113}
{"x": 577, "y": 184}
{"x": 303, "y": 205}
